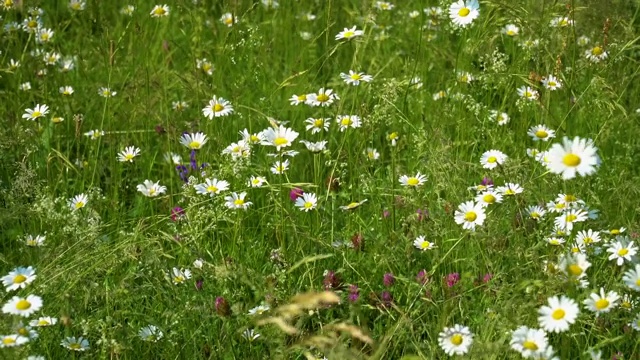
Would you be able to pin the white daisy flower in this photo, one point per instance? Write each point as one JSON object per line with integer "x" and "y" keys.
{"x": 280, "y": 137}
{"x": 280, "y": 167}
{"x": 422, "y": 244}
{"x": 128, "y": 154}
{"x": 237, "y": 201}
{"x": 551, "y": 83}
{"x": 492, "y": 158}
{"x": 559, "y": 314}
{"x": 211, "y": 187}
{"x": 455, "y": 340}
{"x": 621, "y": 251}
{"x": 541, "y": 133}
{"x": 631, "y": 278}
{"x": 75, "y": 344}
{"x": 256, "y": 181}
{"x": 78, "y": 202}
{"x": 150, "y": 189}
{"x": 259, "y": 310}
{"x": 179, "y": 276}
{"x": 160, "y": 11}
{"x": 43, "y": 321}
{"x": 510, "y": 189}
{"x": 348, "y": 121}
{"x": 470, "y": 214}
{"x": 315, "y": 146}
{"x": 23, "y": 306}
{"x": 528, "y": 342}
{"x": 37, "y": 112}
{"x": 354, "y": 78}
{"x": 193, "y": 141}
{"x": 324, "y": 98}
{"x": 488, "y": 197}
{"x": 412, "y": 181}
{"x": 536, "y": 212}
{"x": 307, "y": 202}
{"x": 316, "y": 125}
{"x": 217, "y": 107}
{"x": 7, "y": 341}
{"x": 528, "y": 93}
{"x": 348, "y": 34}
{"x": 573, "y": 156}
{"x": 19, "y": 278}
{"x": 602, "y": 302}
{"x": 596, "y": 54}
{"x": 588, "y": 237}
{"x": 463, "y": 12}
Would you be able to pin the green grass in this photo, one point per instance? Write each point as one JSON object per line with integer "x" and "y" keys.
{"x": 103, "y": 269}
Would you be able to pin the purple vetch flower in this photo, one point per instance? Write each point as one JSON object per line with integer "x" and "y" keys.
{"x": 177, "y": 213}
{"x": 486, "y": 181}
{"x": 422, "y": 277}
{"x": 222, "y": 306}
{"x": 331, "y": 281}
{"x": 185, "y": 171}
{"x": 354, "y": 293}
{"x": 487, "y": 277}
{"x": 295, "y": 193}
{"x": 388, "y": 279}
{"x": 386, "y": 298}
{"x": 452, "y": 279}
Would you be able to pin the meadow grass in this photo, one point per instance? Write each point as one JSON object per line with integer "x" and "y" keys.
{"x": 332, "y": 282}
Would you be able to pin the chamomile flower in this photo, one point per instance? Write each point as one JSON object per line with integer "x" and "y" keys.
{"x": 66, "y": 90}
{"x": 315, "y": 146}
{"x": 280, "y": 167}
{"x": 528, "y": 342}
{"x": 298, "y": 99}
{"x": 552, "y": 83}
{"x": 238, "y": 150}
{"x": 19, "y": 278}
{"x": 510, "y": 189}
{"x": 555, "y": 240}
{"x": 353, "y": 205}
{"x": 43, "y": 35}
{"x": 596, "y": 54}
{"x": 205, "y": 65}
{"x": 26, "y": 331}
{"x": 25, "y": 86}
{"x": 412, "y": 181}
{"x": 558, "y": 315}
{"x": 160, "y": 11}
{"x": 528, "y": 93}
{"x": 511, "y": 30}
{"x": 602, "y": 302}
{"x": 179, "y": 276}
{"x": 348, "y": 34}
{"x": 324, "y": 98}
{"x": 173, "y": 158}
{"x": 270, "y": 4}
{"x": 621, "y": 251}
{"x": 463, "y": 12}
{"x": 179, "y": 105}
{"x": 561, "y": 21}
{"x": 94, "y": 134}
{"x": 536, "y": 212}
{"x": 279, "y": 137}
{"x": 422, "y": 244}
{"x": 23, "y": 306}
{"x": 439, "y": 95}
{"x": 193, "y": 141}
{"x": 217, "y": 107}
{"x": 211, "y": 187}
{"x": 470, "y": 214}
{"x": 75, "y": 344}
{"x": 573, "y": 156}
{"x": 455, "y": 340}
{"x": 43, "y": 321}
{"x": 256, "y": 181}
{"x": 393, "y": 137}
{"x": 237, "y": 201}
{"x": 306, "y": 202}
{"x": 37, "y": 112}
{"x": 316, "y": 125}
{"x": 150, "y": 189}
{"x": 616, "y": 231}
{"x": 348, "y": 121}
{"x": 32, "y": 241}
{"x": 372, "y": 154}
{"x": 7, "y": 341}
{"x": 78, "y": 202}
{"x": 631, "y": 278}
{"x": 502, "y": 118}
{"x": 250, "y": 335}
{"x": 541, "y": 133}
{"x": 588, "y": 237}
{"x": 228, "y": 19}
{"x": 259, "y": 310}
{"x": 106, "y": 92}
{"x": 492, "y": 158}
{"x": 77, "y": 5}
{"x": 627, "y": 302}
{"x": 488, "y": 198}
{"x": 354, "y": 78}
{"x": 465, "y": 77}
{"x": 127, "y": 10}
{"x": 569, "y": 218}
{"x": 150, "y": 333}
{"x": 128, "y": 154}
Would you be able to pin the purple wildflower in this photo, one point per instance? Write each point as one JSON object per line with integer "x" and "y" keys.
{"x": 452, "y": 279}
{"x": 295, "y": 193}
{"x": 388, "y": 279}
{"x": 222, "y": 306}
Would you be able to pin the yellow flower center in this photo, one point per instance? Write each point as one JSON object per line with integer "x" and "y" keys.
{"x": 558, "y": 314}
{"x": 218, "y": 107}
{"x": 322, "y": 97}
{"x": 530, "y": 345}
{"x": 23, "y": 331}
{"x": 19, "y": 279}
{"x": 43, "y": 322}
{"x": 206, "y": 67}
{"x": 159, "y": 11}
{"x": 345, "y": 121}
{"x": 355, "y": 77}
{"x": 254, "y": 138}
{"x": 393, "y": 136}
{"x": 464, "y": 12}
{"x": 587, "y": 240}
{"x": 623, "y": 252}
{"x": 509, "y": 192}
{"x": 489, "y": 198}
{"x": 528, "y": 94}
{"x": 413, "y": 181}
{"x": 552, "y": 83}
{"x": 352, "y": 205}
{"x": 456, "y": 339}
{"x": 559, "y": 206}
{"x": 302, "y": 98}
{"x": 179, "y": 279}
{"x": 571, "y": 160}
{"x": 425, "y": 245}
{"x": 597, "y": 51}
{"x": 554, "y": 242}
{"x": 602, "y": 304}
{"x": 238, "y": 202}
{"x": 36, "y": 114}
{"x": 228, "y": 20}
{"x": 79, "y": 204}
{"x": 32, "y": 24}
{"x": 534, "y": 215}
{"x": 23, "y": 304}
{"x": 128, "y": 157}
{"x": 152, "y": 191}
{"x": 308, "y": 205}
{"x": 194, "y": 144}
{"x": 541, "y": 134}
{"x": 574, "y": 269}
{"x": 625, "y": 304}
{"x": 638, "y": 282}
{"x": 280, "y": 141}
{"x": 511, "y": 32}
{"x": 318, "y": 122}
{"x": 492, "y": 159}
{"x": 348, "y": 34}
{"x": 470, "y": 216}
{"x": 8, "y": 341}
{"x": 615, "y": 232}
{"x": 75, "y": 346}
{"x": 571, "y": 218}
{"x": 212, "y": 189}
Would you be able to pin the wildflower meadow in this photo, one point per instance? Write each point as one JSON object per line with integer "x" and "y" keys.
{"x": 320, "y": 179}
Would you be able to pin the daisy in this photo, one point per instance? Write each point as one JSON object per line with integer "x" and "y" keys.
{"x": 470, "y": 214}
{"x": 128, "y": 154}
{"x": 43, "y": 321}
{"x": 455, "y": 340}
{"x": 384, "y": 5}
{"x": 631, "y": 278}
{"x": 228, "y": 19}
{"x": 465, "y": 77}
{"x": 151, "y": 189}
{"x": 561, "y": 21}
{"x": 566, "y": 220}
{"x": 94, "y": 134}
{"x": 574, "y": 264}
{"x": 627, "y": 302}
{"x": 211, "y": 187}
{"x": 552, "y": 83}
{"x": 536, "y": 212}
{"x": 528, "y": 342}
{"x": 77, "y": 5}
{"x": 193, "y": 141}
{"x": 26, "y": 331}
{"x": 315, "y": 146}
{"x": 173, "y": 158}
{"x": 75, "y": 344}
{"x": 250, "y": 335}
{"x": 555, "y": 241}
{"x": 463, "y": 12}
{"x": 622, "y": 251}
{"x": 393, "y": 137}
{"x": 50, "y": 58}
{"x": 636, "y": 323}
{"x": 270, "y": 4}
{"x": 596, "y": 54}
{"x": 34, "y": 241}
{"x": 510, "y": 189}
{"x": 160, "y": 11}
{"x": 577, "y": 248}
{"x": 528, "y": 93}
{"x": 257, "y": 181}
{"x": 298, "y": 99}
{"x": 19, "y": 278}
{"x": 179, "y": 276}
{"x": 354, "y": 78}
{"x": 541, "y": 133}
{"x": 421, "y": 244}
{"x": 24, "y": 307}
{"x": 481, "y": 187}
{"x": 501, "y": 118}
{"x": 489, "y": 197}
{"x": 511, "y": 30}
{"x": 36, "y": 113}
{"x": 237, "y": 201}
{"x": 439, "y": 95}
{"x": 206, "y": 66}
{"x": 280, "y": 167}
{"x": 150, "y": 333}
{"x": 12, "y": 340}
{"x": 412, "y": 181}
{"x": 66, "y": 90}
{"x": 280, "y": 137}
{"x": 573, "y": 156}
{"x": 348, "y": 34}
{"x": 324, "y": 98}
{"x": 617, "y": 231}
{"x": 106, "y": 92}
{"x": 558, "y": 315}
{"x": 602, "y": 303}
{"x": 78, "y": 202}
{"x": 238, "y": 150}
{"x": 353, "y": 205}
{"x": 317, "y": 125}
{"x": 179, "y": 105}
{"x": 127, "y": 10}
{"x": 348, "y": 121}
{"x": 259, "y": 310}
{"x": 492, "y": 158}
{"x": 587, "y": 237}
{"x": 307, "y": 202}
{"x": 217, "y": 107}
